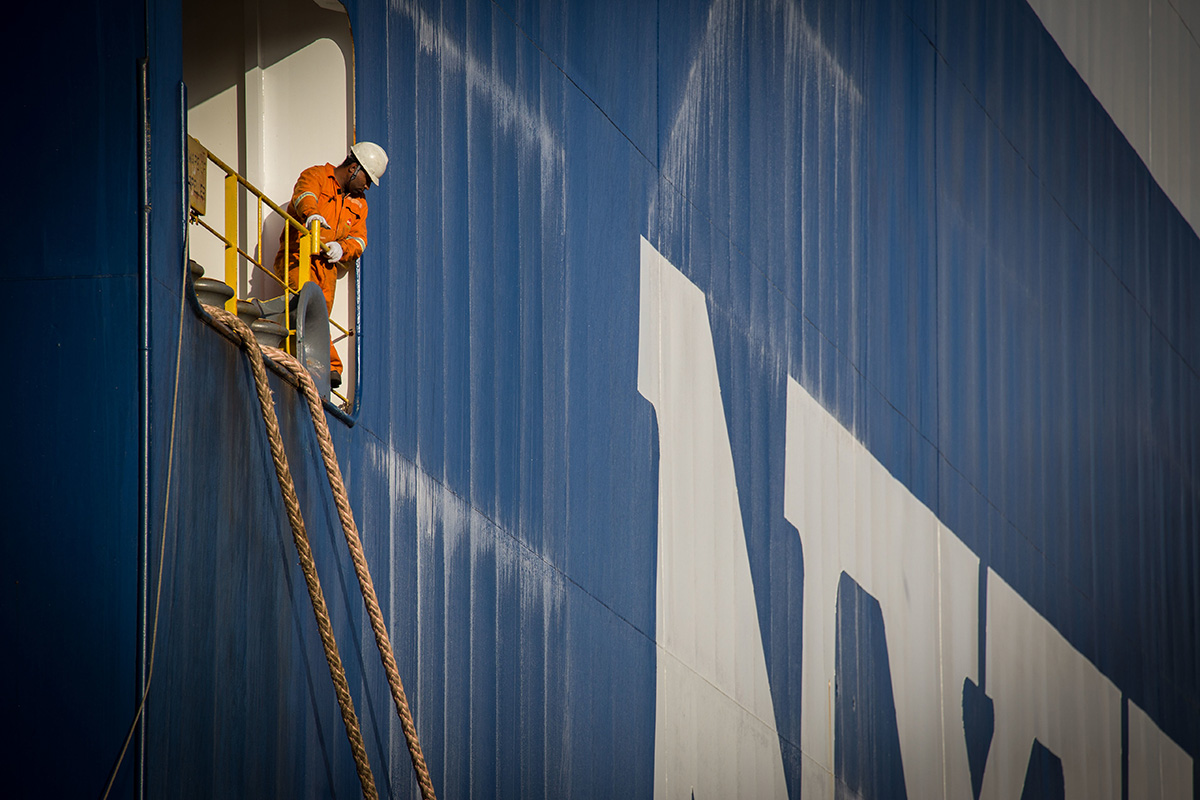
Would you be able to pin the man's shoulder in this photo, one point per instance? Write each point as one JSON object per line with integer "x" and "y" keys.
{"x": 357, "y": 203}
{"x": 319, "y": 171}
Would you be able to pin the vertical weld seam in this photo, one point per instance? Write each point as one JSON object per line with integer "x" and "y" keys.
{"x": 143, "y": 544}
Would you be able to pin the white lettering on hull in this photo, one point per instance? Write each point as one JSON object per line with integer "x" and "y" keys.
{"x": 1157, "y": 766}
{"x": 1045, "y": 689}
{"x": 854, "y": 517}
{"x": 715, "y": 733}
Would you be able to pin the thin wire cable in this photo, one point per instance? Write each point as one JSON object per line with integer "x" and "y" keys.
{"x": 162, "y": 547}
{"x": 353, "y": 541}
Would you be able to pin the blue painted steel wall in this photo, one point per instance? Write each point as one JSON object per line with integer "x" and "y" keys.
{"x": 916, "y": 209}
{"x": 72, "y": 278}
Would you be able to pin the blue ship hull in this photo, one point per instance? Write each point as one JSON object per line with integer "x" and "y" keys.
{"x": 627, "y": 259}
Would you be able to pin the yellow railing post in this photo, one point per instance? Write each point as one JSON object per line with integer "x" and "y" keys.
{"x": 313, "y": 236}
{"x": 287, "y": 304}
{"x": 305, "y": 260}
{"x": 314, "y": 230}
{"x": 231, "y": 238}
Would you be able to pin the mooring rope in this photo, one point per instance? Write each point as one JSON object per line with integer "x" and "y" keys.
{"x": 353, "y": 542}
{"x": 358, "y": 556}
{"x": 307, "y": 565}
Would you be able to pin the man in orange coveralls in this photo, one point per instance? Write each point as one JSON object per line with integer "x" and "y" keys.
{"x": 334, "y": 197}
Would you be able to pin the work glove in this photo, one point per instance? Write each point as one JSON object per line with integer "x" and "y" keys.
{"x": 311, "y": 217}
{"x": 333, "y": 251}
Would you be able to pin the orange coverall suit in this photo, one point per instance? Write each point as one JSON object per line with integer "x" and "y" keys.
{"x": 318, "y": 192}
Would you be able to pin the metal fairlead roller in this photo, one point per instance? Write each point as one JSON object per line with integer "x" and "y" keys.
{"x": 312, "y": 331}
{"x": 312, "y": 335}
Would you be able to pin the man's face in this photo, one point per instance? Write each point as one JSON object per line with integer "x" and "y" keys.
{"x": 359, "y": 181}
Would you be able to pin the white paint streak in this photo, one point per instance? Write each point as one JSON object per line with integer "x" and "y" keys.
{"x": 705, "y": 114}
{"x": 511, "y": 113}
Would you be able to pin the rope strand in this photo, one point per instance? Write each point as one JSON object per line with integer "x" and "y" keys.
{"x": 358, "y": 557}
{"x": 303, "y": 548}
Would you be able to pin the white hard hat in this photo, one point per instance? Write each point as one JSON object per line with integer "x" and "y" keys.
{"x": 372, "y": 158}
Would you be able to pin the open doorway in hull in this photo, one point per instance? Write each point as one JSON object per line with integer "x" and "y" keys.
{"x": 271, "y": 93}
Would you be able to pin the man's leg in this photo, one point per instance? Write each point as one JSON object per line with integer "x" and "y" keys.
{"x": 327, "y": 279}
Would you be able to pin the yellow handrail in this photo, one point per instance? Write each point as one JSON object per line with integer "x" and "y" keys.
{"x": 230, "y": 238}
{"x": 221, "y": 238}
{"x": 309, "y": 243}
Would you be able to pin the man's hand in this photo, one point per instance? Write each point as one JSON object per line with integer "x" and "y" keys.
{"x": 311, "y": 217}
{"x": 333, "y": 252}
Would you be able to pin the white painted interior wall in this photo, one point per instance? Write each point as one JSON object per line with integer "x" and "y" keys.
{"x": 270, "y": 92}
{"x": 1141, "y": 59}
